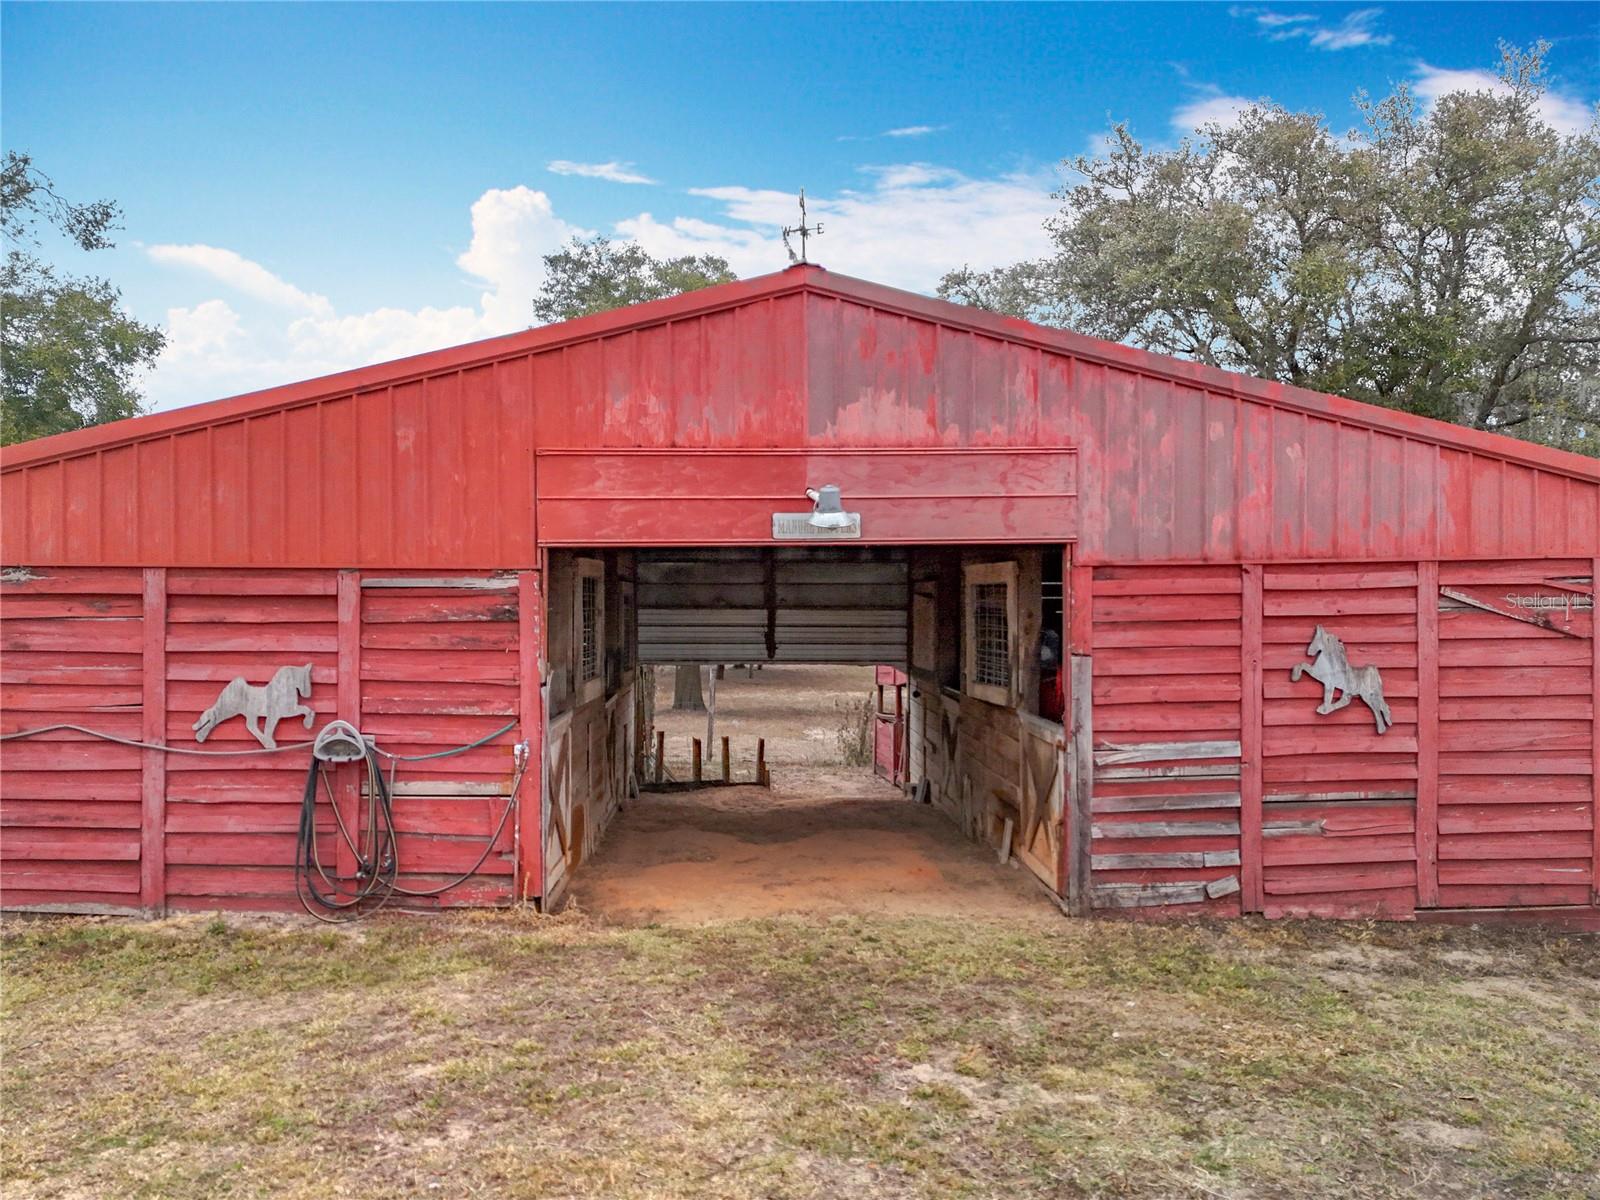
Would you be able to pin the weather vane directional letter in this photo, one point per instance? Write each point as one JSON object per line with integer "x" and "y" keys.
{"x": 803, "y": 230}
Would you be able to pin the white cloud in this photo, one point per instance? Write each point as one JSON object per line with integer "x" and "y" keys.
{"x": 907, "y": 225}
{"x": 1565, "y": 113}
{"x": 240, "y": 273}
{"x": 616, "y": 172}
{"x": 903, "y": 131}
{"x": 1356, "y": 29}
{"x": 1211, "y": 108}
{"x": 213, "y": 350}
{"x": 911, "y": 225}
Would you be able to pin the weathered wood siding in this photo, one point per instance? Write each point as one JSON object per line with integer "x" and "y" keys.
{"x": 90, "y": 824}
{"x": 1517, "y": 802}
{"x": 1481, "y": 793}
{"x": 71, "y": 647}
{"x": 1166, "y": 719}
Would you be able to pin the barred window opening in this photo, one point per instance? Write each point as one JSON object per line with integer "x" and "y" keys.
{"x": 589, "y": 660}
{"x": 991, "y": 628}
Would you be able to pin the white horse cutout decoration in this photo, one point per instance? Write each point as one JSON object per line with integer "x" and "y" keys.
{"x": 1333, "y": 671}
{"x": 276, "y": 701}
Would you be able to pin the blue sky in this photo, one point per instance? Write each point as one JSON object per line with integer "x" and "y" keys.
{"x": 311, "y": 187}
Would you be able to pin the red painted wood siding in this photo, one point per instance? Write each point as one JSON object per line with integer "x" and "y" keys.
{"x": 1516, "y": 757}
{"x": 1167, "y": 667}
{"x": 92, "y": 823}
{"x": 439, "y": 668}
{"x": 231, "y": 823}
{"x": 1339, "y": 800}
{"x": 71, "y": 652}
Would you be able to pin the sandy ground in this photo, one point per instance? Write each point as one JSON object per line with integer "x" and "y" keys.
{"x": 822, "y": 841}
{"x": 798, "y": 710}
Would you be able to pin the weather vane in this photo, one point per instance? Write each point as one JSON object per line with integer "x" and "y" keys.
{"x": 803, "y": 230}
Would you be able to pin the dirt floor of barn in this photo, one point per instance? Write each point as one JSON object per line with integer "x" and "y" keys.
{"x": 818, "y": 991}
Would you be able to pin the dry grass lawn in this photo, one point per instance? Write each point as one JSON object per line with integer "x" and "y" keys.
{"x": 509, "y": 1055}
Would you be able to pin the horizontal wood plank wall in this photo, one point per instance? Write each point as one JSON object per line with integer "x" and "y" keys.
{"x": 71, "y": 651}
{"x": 1166, "y": 723}
{"x": 231, "y": 823}
{"x": 1516, "y": 745}
{"x": 1339, "y": 827}
{"x": 440, "y": 669}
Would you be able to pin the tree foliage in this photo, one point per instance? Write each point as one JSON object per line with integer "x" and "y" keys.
{"x": 68, "y": 352}
{"x": 1438, "y": 260}
{"x": 597, "y": 275}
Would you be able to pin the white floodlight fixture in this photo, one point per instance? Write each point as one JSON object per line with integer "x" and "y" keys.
{"x": 827, "y": 510}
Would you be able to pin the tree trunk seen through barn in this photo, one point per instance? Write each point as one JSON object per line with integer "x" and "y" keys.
{"x": 686, "y": 693}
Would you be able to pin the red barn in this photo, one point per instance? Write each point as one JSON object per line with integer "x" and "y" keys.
{"x": 1321, "y": 658}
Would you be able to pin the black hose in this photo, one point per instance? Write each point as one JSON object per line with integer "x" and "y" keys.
{"x": 376, "y": 879}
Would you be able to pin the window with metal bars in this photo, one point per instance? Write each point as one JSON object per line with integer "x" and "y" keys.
{"x": 589, "y": 651}
{"x": 991, "y": 633}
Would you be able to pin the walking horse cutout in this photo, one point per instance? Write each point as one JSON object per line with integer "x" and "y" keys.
{"x": 278, "y": 700}
{"x": 1332, "y": 669}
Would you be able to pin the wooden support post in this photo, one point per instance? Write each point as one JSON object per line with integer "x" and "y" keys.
{"x": 153, "y": 763}
{"x": 694, "y": 754}
{"x": 711, "y": 708}
{"x": 661, "y": 754}
{"x": 1427, "y": 809}
{"x": 1251, "y": 771}
{"x": 1594, "y": 725}
{"x": 727, "y": 762}
{"x": 1080, "y": 827}
{"x": 761, "y": 762}
{"x": 531, "y": 800}
{"x": 347, "y": 684}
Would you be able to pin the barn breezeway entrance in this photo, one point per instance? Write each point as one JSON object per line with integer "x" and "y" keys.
{"x": 771, "y": 803}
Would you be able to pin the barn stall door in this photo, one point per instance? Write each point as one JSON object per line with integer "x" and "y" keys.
{"x": 439, "y": 669}
{"x": 1516, "y": 804}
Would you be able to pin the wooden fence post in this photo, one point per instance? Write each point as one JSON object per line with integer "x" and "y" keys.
{"x": 694, "y": 751}
{"x": 153, "y": 728}
{"x": 727, "y": 766}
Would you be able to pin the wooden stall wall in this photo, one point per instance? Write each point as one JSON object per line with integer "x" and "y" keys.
{"x": 420, "y": 664}
{"x": 1165, "y": 799}
{"x": 995, "y": 770}
{"x": 590, "y": 744}
{"x": 439, "y": 669}
{"x": 1339, "y": 824}
{"x": 71, "y": 651}
{"x": 1516, "y": 734}
{"x": 230, "y": 823}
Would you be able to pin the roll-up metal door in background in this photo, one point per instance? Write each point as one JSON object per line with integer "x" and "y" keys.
{"x": 785, "y": 605}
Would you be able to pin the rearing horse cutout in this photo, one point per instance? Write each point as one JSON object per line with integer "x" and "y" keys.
{"x": 1333, "y": 671}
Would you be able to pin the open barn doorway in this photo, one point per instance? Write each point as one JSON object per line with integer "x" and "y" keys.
{"x": 769, "y": 730}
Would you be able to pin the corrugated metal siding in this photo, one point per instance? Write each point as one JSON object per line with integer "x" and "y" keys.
{"x": 712, "y": 607}
{"x": 430, "y": 473}
{"x": 71, "y": 652}
{"x": 429, "y": 462}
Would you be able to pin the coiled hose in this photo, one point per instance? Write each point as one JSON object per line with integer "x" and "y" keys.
{"x": 377, "y": 865}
